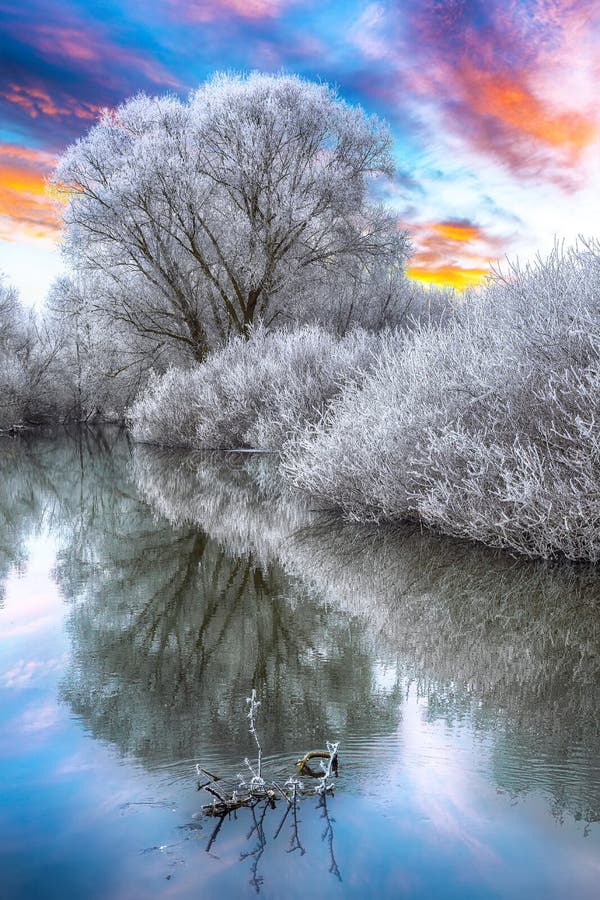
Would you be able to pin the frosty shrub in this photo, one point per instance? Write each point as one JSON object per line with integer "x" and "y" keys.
{"x": 487, "y": 429}
{"x": 252, "y": 393}
{"x": 520, "y": 467}
{"x": 357, "y": 458}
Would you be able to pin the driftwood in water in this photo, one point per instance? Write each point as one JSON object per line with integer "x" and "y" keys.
{"x": 305, "y": 769}
{"x": 257, "y": 789}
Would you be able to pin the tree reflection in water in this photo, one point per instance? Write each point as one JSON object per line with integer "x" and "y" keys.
{"x": 24, "y": 489}
{"x": 170, "y": 628}
{"x": 511, "y": 645}
{"x": 192, "y": 579}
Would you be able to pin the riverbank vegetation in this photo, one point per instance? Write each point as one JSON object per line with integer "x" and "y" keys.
{"x": 234, "y": 284}
{"x": 484, "y": 427}
{"x": 488, "y": 428}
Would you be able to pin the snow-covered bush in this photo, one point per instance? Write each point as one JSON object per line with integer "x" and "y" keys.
{"x": 358, "y": 457}
{"x": 252, "y": 393}
{"x": 520, "y": 467}
{"x": 487, "y": 429}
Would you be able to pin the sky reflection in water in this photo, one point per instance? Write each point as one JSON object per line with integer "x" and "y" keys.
{"x": 144, "y": 593}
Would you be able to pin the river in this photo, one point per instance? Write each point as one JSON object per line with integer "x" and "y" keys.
{"x": 143, "y": 594}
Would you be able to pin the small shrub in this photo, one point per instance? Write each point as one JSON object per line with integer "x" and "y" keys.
{"x": 253, "y": 393}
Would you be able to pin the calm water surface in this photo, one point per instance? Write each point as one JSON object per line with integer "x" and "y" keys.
{"x": 143, "y": 594}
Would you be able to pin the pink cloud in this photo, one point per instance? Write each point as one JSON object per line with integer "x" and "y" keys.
{"x": 518, "y": 87}
{"x": 211, "y": 10}
{"x": 27, "y": 670}
{"x": 72, "y": 43}
{"x": 36, "y": 101}
{"x": 91, "y": 48}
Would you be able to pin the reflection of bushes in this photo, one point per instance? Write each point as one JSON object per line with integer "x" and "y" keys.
{"x": 237, "y": 499}
{"x": 512, "y": 644}
{"x": 175, "y": 624}
{"x": 521, "y": 636}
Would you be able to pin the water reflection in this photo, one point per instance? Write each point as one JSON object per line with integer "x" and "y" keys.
{"x": 22, "y": 482}
{"x": 171, "y": 626}
{"x": 511, "y": 646}
{"x": 190, "y": 579}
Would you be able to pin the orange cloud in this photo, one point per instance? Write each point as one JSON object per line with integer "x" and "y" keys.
{"x": 508, "y": 100}
{"x": 452, "y": 253}
{"x": 37, "y": 101}
{"x": 27, "y": 210}
{"x": 456, "y": 231}
{"x": 448, "y": 276}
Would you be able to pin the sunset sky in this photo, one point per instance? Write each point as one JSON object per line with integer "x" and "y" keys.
{"x": 494, "y": 107}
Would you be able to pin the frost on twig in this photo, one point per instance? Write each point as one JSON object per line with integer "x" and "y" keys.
{"x": 253, "y": 705}
{"x": 260, "y": 794}
{"x": 257, "y": 788}
{"x": 325, "y": 784}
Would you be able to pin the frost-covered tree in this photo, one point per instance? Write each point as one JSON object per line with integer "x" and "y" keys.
{"x": 208, "y": 215}
{"x": 100, "y": 366}
{"x": 11, "y": 315}
{"x": 27, "y": 363}
{"x": 12, "y": 375}
{"x": 381, "y": 297}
